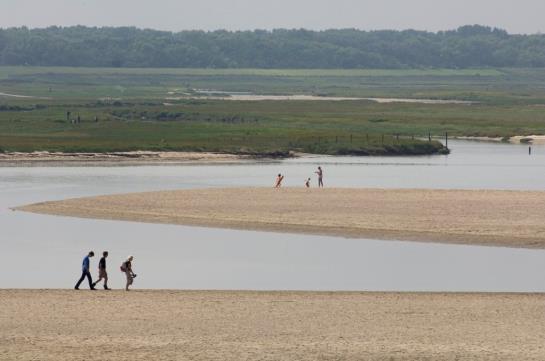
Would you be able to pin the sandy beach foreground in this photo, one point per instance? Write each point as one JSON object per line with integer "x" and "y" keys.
{"x": 211, "y": 325}
{"x": 504, "y": 218}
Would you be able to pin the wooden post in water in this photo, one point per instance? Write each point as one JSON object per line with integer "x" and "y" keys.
{"x": 429, "y": 136}
{"x": 530, "y": 150}
{"x": 446, "y": 140}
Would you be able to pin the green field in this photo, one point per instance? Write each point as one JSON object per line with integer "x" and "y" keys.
{"x": 142, "y": 109}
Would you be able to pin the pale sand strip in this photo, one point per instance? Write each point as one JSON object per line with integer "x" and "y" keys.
{"x": 196, "y": 325}
{"x": 517, "y": 139}
{"x": 505, "y": 218}
{"x": 122, "y": 157}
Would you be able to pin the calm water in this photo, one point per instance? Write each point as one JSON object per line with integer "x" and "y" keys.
{"x": 45, "y": 251}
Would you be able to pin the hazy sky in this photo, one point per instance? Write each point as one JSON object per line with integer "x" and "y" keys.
{"x": 517, "y": 16}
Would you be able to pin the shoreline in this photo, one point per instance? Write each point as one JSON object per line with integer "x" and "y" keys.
{"x": 470, "y": 217}
{"x": 515, "y": 139}
{"x": 173, "y": 157}
{"x": 134, "y": 157}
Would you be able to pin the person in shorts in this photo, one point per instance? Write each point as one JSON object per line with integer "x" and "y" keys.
{"x": 102, "y": 274}
{"x": 127, "y": 268}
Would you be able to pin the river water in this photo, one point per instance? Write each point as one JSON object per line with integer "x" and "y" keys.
{"x": 39, "y": 251}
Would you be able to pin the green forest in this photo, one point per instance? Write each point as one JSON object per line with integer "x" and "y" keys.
{"x": 466, "y": 47}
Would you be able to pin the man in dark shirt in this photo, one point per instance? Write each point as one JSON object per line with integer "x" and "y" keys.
{"x": 85, "y": 271}
{"x": 102, "y": 274}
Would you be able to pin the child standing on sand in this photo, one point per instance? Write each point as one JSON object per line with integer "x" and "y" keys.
{"x": 102, "y": 274}
{"x": 279, "y": 180}
{"x": 307, "y": 183}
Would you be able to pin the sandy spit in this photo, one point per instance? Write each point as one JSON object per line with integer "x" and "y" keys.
{"x": 54, "y": 325}
{"x": 120, "y": 157}
{"x": 485, "y": 217}
{"x": 517, "y": 139}
{"x": 532, "y": 139}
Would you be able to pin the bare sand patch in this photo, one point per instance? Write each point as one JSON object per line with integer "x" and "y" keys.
{"x": 485, "y": 217}
{"x": 120, "y": 157}
{"x": 517, "y": 139}
{"x": 532, "y": 139}
{"x": 55, "y": 325}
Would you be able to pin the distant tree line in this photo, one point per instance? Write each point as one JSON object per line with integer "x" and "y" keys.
{"x": 467, "y": 46}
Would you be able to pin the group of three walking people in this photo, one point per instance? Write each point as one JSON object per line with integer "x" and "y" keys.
{"x": 126, "y": 267}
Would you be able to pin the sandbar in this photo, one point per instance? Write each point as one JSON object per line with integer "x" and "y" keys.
{"x": 476, "y": 217}
{"x": 120, "y": 158}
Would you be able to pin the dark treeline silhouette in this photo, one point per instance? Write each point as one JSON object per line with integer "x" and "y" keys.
{"x": 468, "y": 46}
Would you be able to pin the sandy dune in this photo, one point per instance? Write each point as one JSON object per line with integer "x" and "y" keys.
{"x": 506, "y": 218}
{"x": 183, "y": 325}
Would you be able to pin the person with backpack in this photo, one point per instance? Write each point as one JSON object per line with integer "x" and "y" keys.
{"x": 102, "y": 274}
{"x": 127, "y": 268}
{"x": 85, "y": 271}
